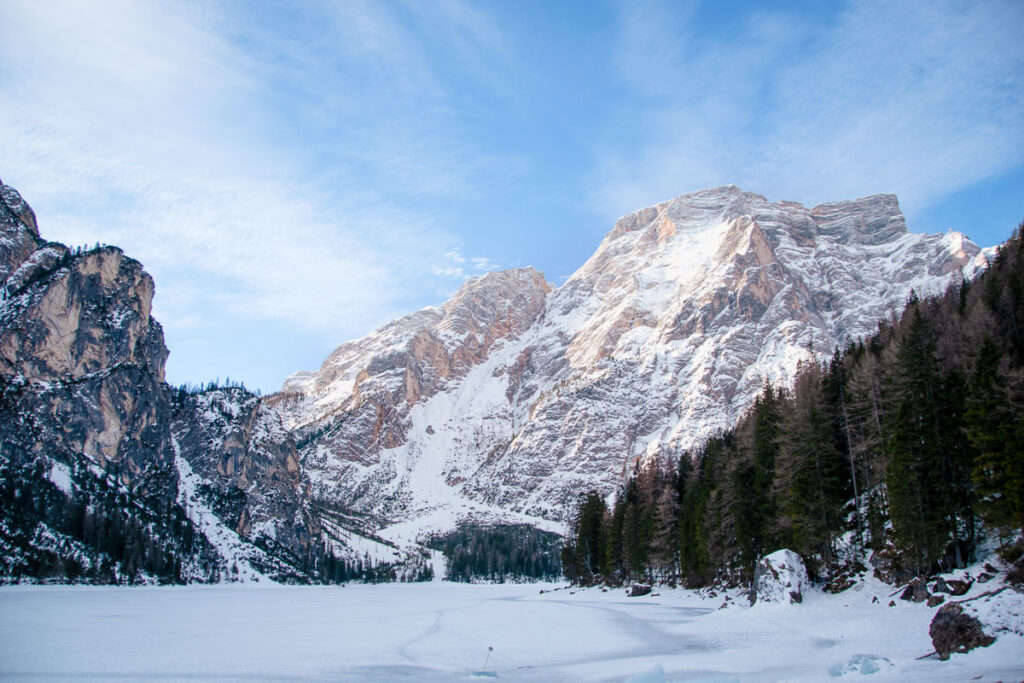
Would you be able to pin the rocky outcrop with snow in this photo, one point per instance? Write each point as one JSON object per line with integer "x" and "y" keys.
{"x": 516, "y": 396}
{"x": 249, "y": 465}
{"x": 954, "y": 630}
{"x": 780, "y": 578}
{"x": 81, "y": 360}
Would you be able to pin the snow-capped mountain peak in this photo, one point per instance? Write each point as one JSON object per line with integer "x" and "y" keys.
{"x": 513, "y": 396}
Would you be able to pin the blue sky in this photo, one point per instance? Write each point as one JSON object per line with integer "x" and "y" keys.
{"x": 295, "y": 174}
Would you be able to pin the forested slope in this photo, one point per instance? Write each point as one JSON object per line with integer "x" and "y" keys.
{"x": 908, "y": 445}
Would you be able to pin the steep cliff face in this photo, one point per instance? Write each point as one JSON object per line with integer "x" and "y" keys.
{"x": 663, "y": 337}
{"x": 20, "y": 234}
{"x": 249, "y": 467}
{"x": 81, "y": 360}
{"x": 86, "y": 427}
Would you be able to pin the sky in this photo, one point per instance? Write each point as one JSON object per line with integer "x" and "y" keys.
{"x": 294, "y": 175}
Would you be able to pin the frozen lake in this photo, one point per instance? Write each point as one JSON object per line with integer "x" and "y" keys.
{"x": 441, "y": 632}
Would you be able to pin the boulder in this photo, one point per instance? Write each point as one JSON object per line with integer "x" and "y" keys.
{"x": 935, "y": 600}
{"x": 639, "y": 589}
{"x": 780, "y": 578}
{"x": 957, "y": 587}
{"x": 916, "y": 591}
{"x": 952, "y": 630}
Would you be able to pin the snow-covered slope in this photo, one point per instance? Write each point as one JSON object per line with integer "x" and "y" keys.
{"x": 514, "y": 397}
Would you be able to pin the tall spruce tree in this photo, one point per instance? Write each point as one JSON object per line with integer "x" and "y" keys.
{"x": 753, "y": 507}
{"x": 995, "y": 427}
{"x": 809, "y": 484}
{"x": 921, "y": 476}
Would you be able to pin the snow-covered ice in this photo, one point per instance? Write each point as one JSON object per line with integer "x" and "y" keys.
{"x": 441, "y": 632}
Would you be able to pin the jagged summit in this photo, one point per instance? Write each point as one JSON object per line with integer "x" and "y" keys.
{"x": 868, "y": 220}
{"x": 19, "y": 207}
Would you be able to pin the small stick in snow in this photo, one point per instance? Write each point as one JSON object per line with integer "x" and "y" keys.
{"x": 484, "y": 672}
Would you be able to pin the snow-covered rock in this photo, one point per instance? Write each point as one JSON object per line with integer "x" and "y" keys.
{"x": 780, "y": 578}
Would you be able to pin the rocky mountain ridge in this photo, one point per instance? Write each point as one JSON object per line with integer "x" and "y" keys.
{"x": 662, "y": 338}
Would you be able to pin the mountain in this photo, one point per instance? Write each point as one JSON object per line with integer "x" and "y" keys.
{"x": 516, "y": 396}
{"x": 106, "y": 474}
{"x": 488, "y": 413}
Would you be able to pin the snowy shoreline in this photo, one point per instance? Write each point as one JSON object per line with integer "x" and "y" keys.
{"x": 441, "y": 632}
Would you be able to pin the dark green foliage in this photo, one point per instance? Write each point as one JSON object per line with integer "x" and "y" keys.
{"x": 811, "y": 472}
{"x": 995, "y": 430}
{"x": 908, "y": 443}
{"x": 99, "y": 534}
{"x": 340, "y": 570}
{"x": 500, "y": 553}
{"x": 584, "y": 557}
{"x": 920, "y": 426}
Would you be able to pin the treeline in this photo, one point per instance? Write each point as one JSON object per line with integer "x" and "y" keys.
{"x": 95, "y": 534}
{"x": 183, "y": 391}
{"x": 909, "y": 444}
{"x": 333, "y": 569}
{"x": 499, "y": 553}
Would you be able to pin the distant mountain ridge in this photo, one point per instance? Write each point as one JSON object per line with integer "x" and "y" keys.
{"x": 501, "y": 405}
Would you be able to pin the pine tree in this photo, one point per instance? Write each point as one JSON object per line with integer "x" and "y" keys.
{"x": 920, "y": 482}
{"x": 590, "y": 541}
{"x": 809, "y": 483}
{"x": 753, "y": 506}
{"x": 995, "y": 428}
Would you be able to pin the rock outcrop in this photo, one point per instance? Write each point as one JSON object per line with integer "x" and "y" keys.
{"x": 255, "y": 480}
{"x": 780, "y": 578}
{"x": 81, "y": 360}
{"x": 86, "y": 425}
{"x": 953, "y": 630}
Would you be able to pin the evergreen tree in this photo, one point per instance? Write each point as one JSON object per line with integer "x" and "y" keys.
{"x": 995, "y": 427}
{"x": 753, "y": 506}
{"x": 590, "y": 542}
{"x": 925, "y": 462}
{"x": 809, "y": 484}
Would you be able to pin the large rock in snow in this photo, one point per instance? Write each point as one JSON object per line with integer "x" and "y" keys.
{"x": 780, "y": 578}
{"x": 953, "y": 630}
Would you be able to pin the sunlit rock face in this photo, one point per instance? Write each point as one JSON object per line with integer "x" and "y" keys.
{"x": 515, "y": 396}
{"x": 81, "y": 359}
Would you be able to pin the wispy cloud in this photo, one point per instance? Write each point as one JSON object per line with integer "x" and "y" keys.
{"x": 455, "y": 266}
{"x": 914, "y": 98}
{"x": 159, "y": 131}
